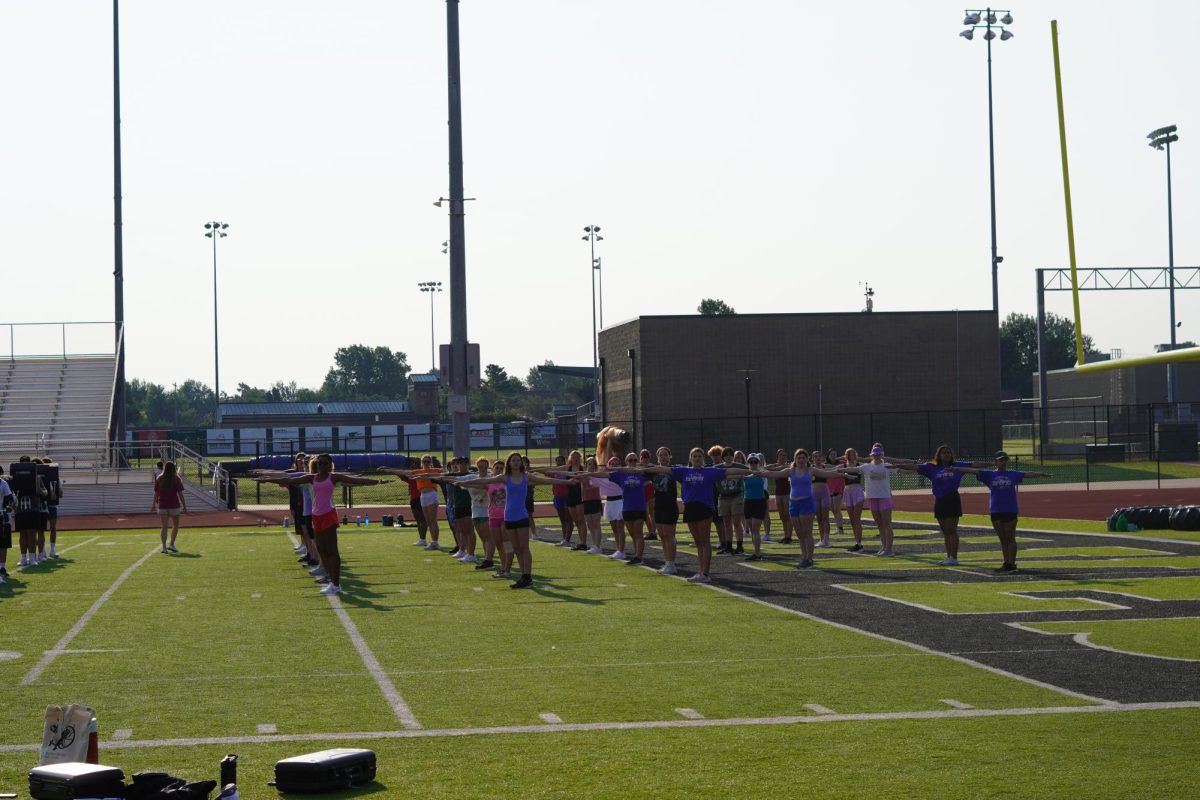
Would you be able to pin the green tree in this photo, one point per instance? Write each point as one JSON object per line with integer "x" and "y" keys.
{"x": 1019, "y": 351}
{"x": 710, "y": 307}
{"x": 367, "y": 373}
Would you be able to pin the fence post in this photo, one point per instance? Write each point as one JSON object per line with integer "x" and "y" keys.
{"x": 1087, "y": 472}
{"x": 1158, "y": 467}
{"x": 258, "y": 463}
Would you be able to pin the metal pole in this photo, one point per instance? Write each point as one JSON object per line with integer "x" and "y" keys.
{"x": 1171, "y": 374}
{"x": 992, "y": 173}
{"x": 118, "y": 432}
{"x": 746, "y": 380}
{"x": 1043, "y": 381}
{"x": 595, "y": 336}
{"x": 216, "y": 344}
{"x": 460, "y": 410}
{"x": 600, "y": 279}
{"x": 432, "y": 337}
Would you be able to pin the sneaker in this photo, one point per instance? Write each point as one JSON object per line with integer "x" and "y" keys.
{"x": 580, "y": 546}
{"x": 1006, "y": 568}
{"x": 433, "y": 546}
{"x": 317, "y": 572}
{"x": 332, "y": 588}
{"x": 634, "y": 561}
{"x": 563, "y": 543}
{"x": 619, "y": 556}
{"x": 41, "y": 557}
{"x": 459, "y": 556}
{"x": 503, "y": 574}
{"x": 840, "y": 531}
{"x": 821, "y": 544}
{"x": 298, "y": 549}
{"x": 164, "y": 551}
{"x": 524, "y": 582}
{"x": 699, "y": 577}
{"x": 420, "y": 543}
{"x": 741, "y": 551}
{"x": 886, "y": 553}
{"x": 766, "y": 538}
{"x": 53, "y": 553}
{"x": 754, "y": 557}
{"x": 785, "y": 541}
{"x": 22, "y": 562}
{"x": 595, "y": 551}
{"x": 3, "y": 572}
{"x": 949, "y": 562}
{"x": 172, "y": 548}
{"x": 805, "y": 563}
{"x": 468, "y": 559}
{"x": 485, "y": 564}
{"x": 668, "y": 568}
{"x": 324, "y": 579}
{"x": 856, "y": 549}
{"x": 651, "y": 537}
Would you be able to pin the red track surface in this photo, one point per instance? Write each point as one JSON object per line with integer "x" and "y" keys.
{"x": 1096, "y": 504}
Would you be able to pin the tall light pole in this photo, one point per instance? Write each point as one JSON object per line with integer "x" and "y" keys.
{"x": 216, "y": 230}
{"x": 1161, "y": 139}
{"x": 986, "y": 20}
{"x": 118, "y": 421}
{"x": 432, "y": 288}
{"x": 599, "y": 275}
{"x": 593, "y": 236}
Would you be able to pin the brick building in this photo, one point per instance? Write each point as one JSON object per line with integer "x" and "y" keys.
{"x": 911, "y": 380}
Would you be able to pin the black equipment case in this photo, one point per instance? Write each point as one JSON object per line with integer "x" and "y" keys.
{"x": 75, "y": 779}
{"x": 325, "y": 771}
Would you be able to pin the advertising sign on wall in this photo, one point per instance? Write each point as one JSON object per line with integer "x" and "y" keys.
{"x": 250, "y": 440}
{"x": 219, "y": 442}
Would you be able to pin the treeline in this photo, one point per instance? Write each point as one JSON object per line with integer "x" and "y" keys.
{"x": 359, "y": 372}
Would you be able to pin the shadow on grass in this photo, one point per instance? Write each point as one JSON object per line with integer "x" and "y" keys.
{"x": 365, "y": 790}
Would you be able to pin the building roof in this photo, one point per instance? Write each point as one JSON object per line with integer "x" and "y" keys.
{"x": 424, "y": 378}
{"x": 309, "y": 409}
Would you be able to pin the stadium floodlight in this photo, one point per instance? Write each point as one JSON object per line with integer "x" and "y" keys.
{"x": 592, "y": 236}
{"x": 990, "y": 35}
{"x": 991, "y": 18}
{"x": 1162, "y": 139}
{"x": 968, "y": 34}
{"x": 972, "y": 18}
{"x": 1005, "y": 35}
{"x": 432, "y": 288}
{"x": 216, "y": 230}
{"x": 1006, "y": 19}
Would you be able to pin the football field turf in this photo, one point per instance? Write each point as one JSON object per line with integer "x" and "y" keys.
{"x": 859, "y": 678}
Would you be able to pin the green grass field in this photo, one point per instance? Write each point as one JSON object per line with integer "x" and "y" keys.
{"x": 604, "y": 681}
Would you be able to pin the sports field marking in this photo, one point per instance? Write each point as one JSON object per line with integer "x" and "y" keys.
{"x": 49, "y": 656}
{"x": 80, "y": 544}
{"x": 265, "y": 727}
{"x": 429, "y": 733}
{"x": 1100, "y": 628}
{"x": 255, "y": 595}
{"x": 816, "y": 709}
{"x": 181, "y": 597}
{"x": 477, "y": 589}
{"x": 9, "y": 655}
{"x": 689, "y": 713}
{"x": 122, "y": 733}
{"x": 918, "y": 647}
{"x": 553, "y": 719}
{"x": 955, "y": 703}
{"x": 943, "y": 597}
{"x": 390, "y": 693}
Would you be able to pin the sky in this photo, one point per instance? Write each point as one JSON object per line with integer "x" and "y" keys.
{"x": 776, "y": 155}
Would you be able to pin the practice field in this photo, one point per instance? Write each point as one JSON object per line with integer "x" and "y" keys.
{"x": 865, "y": 677}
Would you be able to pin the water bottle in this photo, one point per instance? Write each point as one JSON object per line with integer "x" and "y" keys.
{"x": 357, "y": 521}
{"x": 367, "y": 520}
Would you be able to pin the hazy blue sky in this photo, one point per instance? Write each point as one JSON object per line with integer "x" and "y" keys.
{"x": 773, "y": 154}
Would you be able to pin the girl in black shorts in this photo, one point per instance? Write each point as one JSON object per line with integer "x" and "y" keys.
{"x": 666, "y": 510}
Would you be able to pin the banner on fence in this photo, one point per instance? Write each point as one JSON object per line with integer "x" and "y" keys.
{"x": 384, "y": 437}
{"x": 248, "y": 439}
{"x": 219, "y": 442}
{"x": 352, "y": 438}
{"x": 318, "y": 439}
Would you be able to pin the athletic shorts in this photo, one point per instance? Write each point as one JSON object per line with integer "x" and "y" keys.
{"x": 52, "y": 512}
{"x": 496, "y": 523}
{"x": 666, "y": 514}
{"x": 696, "y": 512}
{"x": 5, "y": 536}
{"x": 516, "y": 523}
{"x": 821, "y": 496}
{"x": 450, "y": 515}
{"x": 169, "y": 512}
{"x": 613, "y": 509}
{"x": 853, "y": 496}
{"x": 462, "y": 512}
{"x": 29, "y": 521}
{"x": 756, "y": 509}
{"x": 325, "y": 523}
{"x": 1004, "y": 516}
{"x": 730, "y": 506}
{"x": 781, "y": 502}
{"x": 574, "y": 495}
{"x": 948, "y": 506}
{"x": 481, "y": 518}
{"x": 633, "y": 516}
{"x": 592, "y": 507}
{"x": 879, "y": 503}
{"x": 429, "y": 497}
{"x": 803, "y": 507}
{"x": 560, "y": 502}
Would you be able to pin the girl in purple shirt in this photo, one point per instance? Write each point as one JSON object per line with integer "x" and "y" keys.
{"x": 696, "y": 483}
{"x": 633, "y": 504}
{"x": 947, "y": 504}
{"x": 1002, "y": 482}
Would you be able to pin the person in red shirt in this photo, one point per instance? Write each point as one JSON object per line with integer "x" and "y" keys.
{"x": 170, "y": 503}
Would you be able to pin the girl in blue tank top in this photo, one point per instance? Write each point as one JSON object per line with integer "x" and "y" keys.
{"x": 517, "y": 484}
{"x": 802, "y": 506}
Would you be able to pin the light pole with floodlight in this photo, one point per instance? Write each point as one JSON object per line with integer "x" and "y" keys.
{"x": 1161, "y": 139}
{"x": 986, "y": 20}
{"x": 593, "y": 236}
{"x": 216, "y": 230}
{"x": 432, "y": 288}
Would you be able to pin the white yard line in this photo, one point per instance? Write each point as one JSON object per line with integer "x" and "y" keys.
{"x": 265, "y": 728}
{"x": 689, "y": 713}
{"x": 122, "y": 733}
{"x": 81, "y": 544}
{"x": 390, "y": 693}
{"x": 552, "y": 719}
{"x": 1082, "y": 638}
{"x": 816, "y": 709}
{"x": 617, "y": 726}
{"x": 49, "y": 656}
{"x": 955, "y": 703}
{"x": 921, "y": 648}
